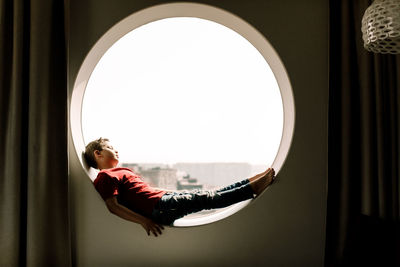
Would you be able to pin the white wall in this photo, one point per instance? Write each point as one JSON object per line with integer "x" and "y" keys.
{"x": 286, "y": 225}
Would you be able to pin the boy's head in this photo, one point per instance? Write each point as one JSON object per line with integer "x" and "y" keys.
{"x": 100, "y": 154}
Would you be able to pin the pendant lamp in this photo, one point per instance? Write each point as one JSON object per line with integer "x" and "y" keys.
{"x": 381, "y": 27}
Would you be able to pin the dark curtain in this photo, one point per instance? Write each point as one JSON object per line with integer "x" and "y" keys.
{"x": 34, "y": 219}
{"x": 364, "y": 145}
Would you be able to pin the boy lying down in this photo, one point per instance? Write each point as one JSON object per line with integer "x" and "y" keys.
{"x": 129, "y": 197}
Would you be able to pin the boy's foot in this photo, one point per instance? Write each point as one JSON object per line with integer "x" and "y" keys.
{"x": 261, "y": 181}
{"x": 258, "y": 176}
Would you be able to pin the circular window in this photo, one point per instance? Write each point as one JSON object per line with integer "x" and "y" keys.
{"x": 192, "y": 96}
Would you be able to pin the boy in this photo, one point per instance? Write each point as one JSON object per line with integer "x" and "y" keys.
{"x": 130, "y": 198}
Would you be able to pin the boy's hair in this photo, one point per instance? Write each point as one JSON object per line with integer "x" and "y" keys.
{"x": 90, "y": 148}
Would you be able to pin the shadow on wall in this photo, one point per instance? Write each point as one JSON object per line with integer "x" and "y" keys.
{"x": 92, "y": 173}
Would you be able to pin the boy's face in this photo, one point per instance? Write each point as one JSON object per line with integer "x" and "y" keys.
{"x": 106, "y": 158}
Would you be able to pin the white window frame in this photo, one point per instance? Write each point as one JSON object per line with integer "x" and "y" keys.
{"x": 196, "y": 10}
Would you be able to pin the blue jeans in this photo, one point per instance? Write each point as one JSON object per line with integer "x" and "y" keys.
{"x": 175, "y": 205}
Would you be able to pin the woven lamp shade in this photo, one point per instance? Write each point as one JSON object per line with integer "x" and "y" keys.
{"x": 381, "y": 27}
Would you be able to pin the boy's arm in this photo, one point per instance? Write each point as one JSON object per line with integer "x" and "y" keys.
{"x": 125, "y": 213}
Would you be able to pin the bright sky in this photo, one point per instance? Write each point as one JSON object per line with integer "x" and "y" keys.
{"x": 184, "y": 90}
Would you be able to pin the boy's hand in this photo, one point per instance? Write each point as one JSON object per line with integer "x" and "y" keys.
{"x": 152, "y": 227}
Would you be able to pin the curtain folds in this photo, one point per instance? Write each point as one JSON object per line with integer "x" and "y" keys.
{"x": 364, "y": 144}
{"x": 34, "y": 210}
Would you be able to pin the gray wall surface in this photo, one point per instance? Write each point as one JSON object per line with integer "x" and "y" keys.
{"x": 286, "y": 225}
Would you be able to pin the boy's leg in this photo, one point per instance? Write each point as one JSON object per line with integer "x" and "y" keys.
{"x": 232, "y": 186}
{"x": 246, "y": 181}
{"x": 176, "y": 205}
{"x": 165, "y": 211}
{"x": 180, "y": 204}
{"x": 235, "y": 193}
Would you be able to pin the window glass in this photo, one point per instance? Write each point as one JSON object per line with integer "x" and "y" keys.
{"x": 188, "y": 103}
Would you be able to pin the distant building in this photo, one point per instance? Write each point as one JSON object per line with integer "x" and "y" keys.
{"x": 157, "y": 175}
{"x": 147, "y": 166}
{"x": 188, "y": 183}
{"x": 133, "y": 166}
{"x": 218, "y": 173}
{"x": 179, "y": 176}
{"x": 165, "y": 178}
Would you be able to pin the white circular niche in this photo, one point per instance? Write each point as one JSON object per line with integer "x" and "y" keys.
{"x": 188, "y": 88}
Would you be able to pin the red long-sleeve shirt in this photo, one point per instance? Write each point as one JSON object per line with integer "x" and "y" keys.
{"x": 130, "y": 189}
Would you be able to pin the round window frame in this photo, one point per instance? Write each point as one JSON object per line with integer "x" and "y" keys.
{"x": 196, "y": 10}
